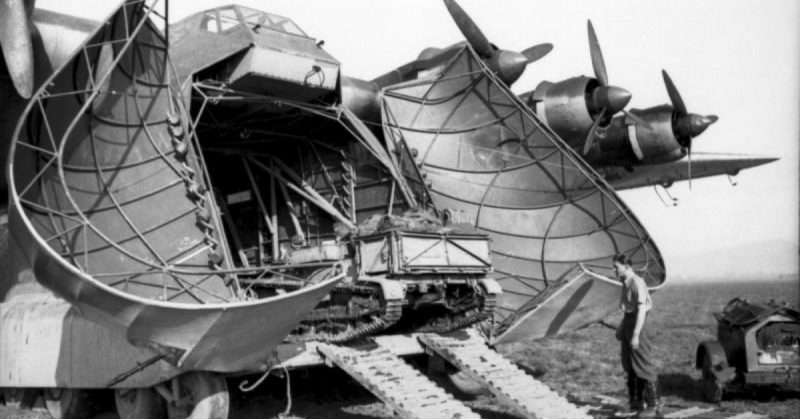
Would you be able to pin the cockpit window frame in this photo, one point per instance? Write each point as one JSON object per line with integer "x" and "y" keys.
{"x": 276, "y": 22}
{"x": 245, "y": 16}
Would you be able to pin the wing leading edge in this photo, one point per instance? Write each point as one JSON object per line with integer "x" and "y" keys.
{"x": 703, "y": 165}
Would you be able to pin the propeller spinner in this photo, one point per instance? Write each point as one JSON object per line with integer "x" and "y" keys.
{"x": 685, "y": 125}
{"x": 605, "y": 98}
{"x": 509, "y": 65}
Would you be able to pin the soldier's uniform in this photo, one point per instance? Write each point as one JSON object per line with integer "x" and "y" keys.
{"x": 638, "y": 363}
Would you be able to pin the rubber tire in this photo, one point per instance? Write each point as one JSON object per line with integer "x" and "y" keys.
{"x": 139, "y": 403}
{"x": 66, "y": 403}
{"x": 20, "y": 398}
{"x": 713, "y": 390}
{"x": 207, "y": 394}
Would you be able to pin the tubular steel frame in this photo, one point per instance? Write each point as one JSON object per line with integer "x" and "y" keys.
{"x": 473, "y": 79}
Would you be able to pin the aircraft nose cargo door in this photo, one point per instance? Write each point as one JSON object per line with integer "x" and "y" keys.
{"x": 112, "y": 209}
{"x": 554, "y": 223}
{"x": 272, "y": 55}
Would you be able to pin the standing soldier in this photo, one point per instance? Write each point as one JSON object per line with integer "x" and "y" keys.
{"x": 635, "y": 337}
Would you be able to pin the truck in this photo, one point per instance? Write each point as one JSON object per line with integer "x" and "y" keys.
{"x": 758, "y": 344}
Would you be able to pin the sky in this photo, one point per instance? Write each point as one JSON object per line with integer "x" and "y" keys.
{"x": 738, "y": 59}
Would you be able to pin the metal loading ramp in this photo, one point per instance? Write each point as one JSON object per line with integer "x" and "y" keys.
{"x": 409, "y": 393}
{"x": 528, "y": 396}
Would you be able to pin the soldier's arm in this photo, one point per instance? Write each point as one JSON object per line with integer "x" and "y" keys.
{"x": 640, "y": 297}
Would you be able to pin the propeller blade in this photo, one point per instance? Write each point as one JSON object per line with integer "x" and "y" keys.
{"x": 636, "y": 119}
{"x": 689, "y": 150}
{"x": 674, "y": 96}
{"x": 587, "y": 145}
{"x": 536, "y": 52}
{"x": 597, "y": 57}
{"x": 479, "y": 42}
{"x": 15, "y": 40}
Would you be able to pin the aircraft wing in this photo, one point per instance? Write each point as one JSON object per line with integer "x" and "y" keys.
{"x": 703, "y": 165}
{"x": 554, "y": 223}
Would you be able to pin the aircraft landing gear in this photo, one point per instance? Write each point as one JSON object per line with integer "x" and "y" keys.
{"x": 193, "y": 395}
{"x": 66, "y": 403}
{"x": 19, "y": 398}
{"x": 138, "y": 403}
{"x": 198, "y": 395}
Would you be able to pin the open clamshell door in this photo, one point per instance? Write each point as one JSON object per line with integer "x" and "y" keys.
{"x": 112, "y": 209}
{"x": 554, "y": 223}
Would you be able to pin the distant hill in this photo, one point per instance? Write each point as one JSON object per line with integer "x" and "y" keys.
{"x": 761, "y": 260}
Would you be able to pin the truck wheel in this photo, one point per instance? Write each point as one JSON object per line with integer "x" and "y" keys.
{"x": 138, "y": 403}
{"x": 713, "y": 390}
{"x": 66, "y": 403}
{"x": 202, "y": 395}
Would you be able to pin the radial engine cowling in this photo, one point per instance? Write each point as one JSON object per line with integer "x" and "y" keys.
{"x": 564, "y": 107}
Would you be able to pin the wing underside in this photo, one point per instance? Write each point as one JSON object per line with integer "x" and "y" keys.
{"x": 703, "y": 165}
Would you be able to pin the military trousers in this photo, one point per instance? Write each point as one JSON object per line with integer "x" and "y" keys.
{"x": 638, "y": 361}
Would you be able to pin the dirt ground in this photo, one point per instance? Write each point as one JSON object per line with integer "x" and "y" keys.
{"x": 578, "y": 365}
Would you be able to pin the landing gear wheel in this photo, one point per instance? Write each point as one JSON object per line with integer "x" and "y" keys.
{"x": 66, "y": 403}
{"x": 19, "y": 398}
{"x": 201, "y": 395}
{"x": 713, "y": 389}
{"x": 139, "y": 403}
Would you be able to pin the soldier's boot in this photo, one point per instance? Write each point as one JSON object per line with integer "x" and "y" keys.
{"x": 652, "y": 399}
{"x": 634, "y": 393}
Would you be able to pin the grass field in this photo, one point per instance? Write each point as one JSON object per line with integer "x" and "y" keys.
{"x": 579, "y": 365}
{"x": 585, "y": 363}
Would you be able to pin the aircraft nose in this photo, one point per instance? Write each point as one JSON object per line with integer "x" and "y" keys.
{"x": 510, "y": 65}
{"x": 611, "y": 97}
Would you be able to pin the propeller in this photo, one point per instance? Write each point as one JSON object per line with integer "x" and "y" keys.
{"x": 537, "y": 52}
{"x": 608, "y": 99}
{"x": 685, "y": 125}
{"x": 15, "y": 41}
{"x": 509, "y": 65}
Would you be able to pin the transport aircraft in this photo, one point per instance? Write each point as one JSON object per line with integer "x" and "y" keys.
{"x": 217, "y": 199}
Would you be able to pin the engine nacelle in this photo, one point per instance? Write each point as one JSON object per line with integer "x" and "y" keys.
{"x": 656, "y": 143}
{"x": 624, "y": 142}
{"x": 564, "y": 107}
